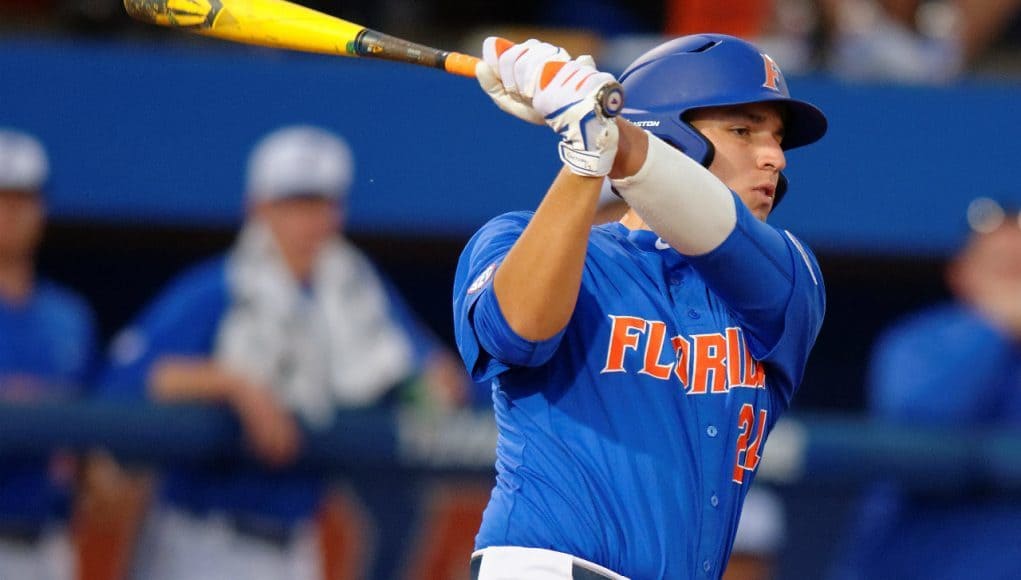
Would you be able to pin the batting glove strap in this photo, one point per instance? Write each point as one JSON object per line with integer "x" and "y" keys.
{"x": 588, "y": 162}
{"x": 583, "y": 162}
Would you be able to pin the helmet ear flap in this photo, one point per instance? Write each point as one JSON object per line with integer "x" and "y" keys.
{"x": 691, "y": 142}
{"x": 708, "y": 149}
{"x": 781, "y": 189}
{"x": 696, "y": 146}
{"x": 701, "y": 149}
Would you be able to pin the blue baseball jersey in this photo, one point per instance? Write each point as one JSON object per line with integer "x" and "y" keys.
{"x": 184, "y": 321}
{"x": 945, "y": 366}
{"x": 47, "y": 347}
{"x": 631, "y": 437}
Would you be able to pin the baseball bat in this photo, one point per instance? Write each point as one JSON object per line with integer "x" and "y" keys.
{"x": 282, "y": 24}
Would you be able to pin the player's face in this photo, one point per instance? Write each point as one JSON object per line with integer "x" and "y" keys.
{"x": 21, "y": 224}
{"x": 993, "y": 260}
{"x": 748, "y": 155}
{"x": 301, "y": 227}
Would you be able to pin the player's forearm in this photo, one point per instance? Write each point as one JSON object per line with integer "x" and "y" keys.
{"x": 192, "y": 379}
{"x": 537, "y": 284}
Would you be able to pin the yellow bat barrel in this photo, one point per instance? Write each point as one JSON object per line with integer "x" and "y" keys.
{"x": 281, "y": 24}
{"x": 273, "y": 23}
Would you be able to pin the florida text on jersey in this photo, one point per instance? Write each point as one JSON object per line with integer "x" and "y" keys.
{"x": 630, "y": 438}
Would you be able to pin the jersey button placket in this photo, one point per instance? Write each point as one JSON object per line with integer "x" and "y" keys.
{"x": 711, "y": 431}
{"x": 714, "y": 500}
{"x": 707, "y": 566}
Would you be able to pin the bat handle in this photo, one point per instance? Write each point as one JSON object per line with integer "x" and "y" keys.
{"x": 610, "y": 95}
{"x": 460, "y": 64}
{"x": 611, "y": 99}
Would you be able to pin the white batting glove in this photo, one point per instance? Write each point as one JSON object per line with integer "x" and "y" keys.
{"x": 539, "y": 83}
{"x": 569, "y": 105}
{"x": 509, "y": 73}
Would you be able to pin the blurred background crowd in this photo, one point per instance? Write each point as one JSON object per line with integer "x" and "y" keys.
{"x": 274, "y": 236}
{"x": 916, "y": 41}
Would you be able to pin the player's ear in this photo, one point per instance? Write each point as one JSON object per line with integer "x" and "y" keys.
{"x": 955, "y": 275}
{"x": 256, "y": 209}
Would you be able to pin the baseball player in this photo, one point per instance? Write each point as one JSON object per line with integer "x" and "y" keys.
{"x": 294, "y": 321}
{"x": 968, "y": 350}
{"x": 638, "y": 366}
{"x": 47, "y": 347}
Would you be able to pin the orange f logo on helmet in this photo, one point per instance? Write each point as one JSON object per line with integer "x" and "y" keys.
{"x": 773, "y": 73}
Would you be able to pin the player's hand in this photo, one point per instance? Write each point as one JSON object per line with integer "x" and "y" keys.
{"x": 509, "y": 72}
{"x": 568, "y": 100}
{"x": 270, "y": 429}
{"x": 538, "y": 82}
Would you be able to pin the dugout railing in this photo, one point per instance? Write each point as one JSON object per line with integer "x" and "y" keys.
{"x": 838, "y": 449}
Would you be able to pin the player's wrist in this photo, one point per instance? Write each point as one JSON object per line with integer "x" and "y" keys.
{"x": 588, "y": 139}
{"x": 588, "y": 162}
{"x": 632, "y": 150}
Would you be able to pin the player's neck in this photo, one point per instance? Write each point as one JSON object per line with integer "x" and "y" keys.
{"x": 17, "y": 278}
{"x": 632, "y": 221}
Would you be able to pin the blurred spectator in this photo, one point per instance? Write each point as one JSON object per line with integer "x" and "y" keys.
{"x": 915, "y": 41}
{"x": 47, "y": 339}
{"x": 291, "y": 324}
{"x": 785, "y": 29}
{"x": 744, "y": 18}
{"x": 952, "y": 365}
{"x": 761, "y": 534}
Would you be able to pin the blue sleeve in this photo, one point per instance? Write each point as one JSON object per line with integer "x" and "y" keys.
{"x": 945, "y": 365}
{"x": 74, "y": 322}
{"x": 85, "y": 329}
{"x": 486, "y": 342}
{"x": 183, "y": 321}
{"x": 772, "y": 284}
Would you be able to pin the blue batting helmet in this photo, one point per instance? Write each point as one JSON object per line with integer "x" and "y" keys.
{"x": 710, "y": 70}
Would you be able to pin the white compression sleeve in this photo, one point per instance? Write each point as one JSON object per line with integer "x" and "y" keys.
{"x": 685, "y": 204}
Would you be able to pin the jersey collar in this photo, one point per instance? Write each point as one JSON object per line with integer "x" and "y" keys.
{"x": 648, "y": 241}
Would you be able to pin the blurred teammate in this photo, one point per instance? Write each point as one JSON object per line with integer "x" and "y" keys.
{"x": 638, "y": 366}
{"x": 293, "y": 322}
{"x": 760, "y": 537}
{"x": 47, "y": 339}
{"x": 956, "y": 364}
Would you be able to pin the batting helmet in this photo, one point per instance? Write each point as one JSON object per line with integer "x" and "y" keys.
{"x": 711, "y": 70}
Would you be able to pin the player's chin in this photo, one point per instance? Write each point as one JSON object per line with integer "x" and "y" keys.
{"x": 761, "y": 207}
{"x": 758, "y": 200}
{"x": 762, "y": 203}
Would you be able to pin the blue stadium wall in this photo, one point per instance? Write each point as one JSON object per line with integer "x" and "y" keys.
{"x": 158, "y": 132}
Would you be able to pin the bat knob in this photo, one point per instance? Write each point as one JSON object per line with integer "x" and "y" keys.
{"x": 611, "y": 99}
